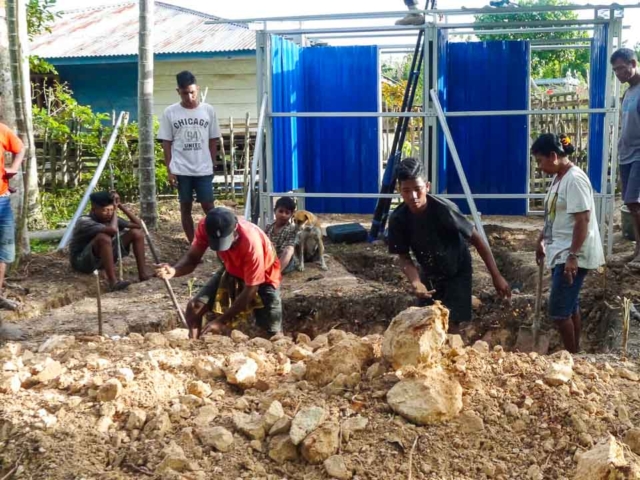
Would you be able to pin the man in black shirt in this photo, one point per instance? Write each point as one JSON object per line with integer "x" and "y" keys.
{"x": 94, "y": 245}
{"x": 438, "y": 235}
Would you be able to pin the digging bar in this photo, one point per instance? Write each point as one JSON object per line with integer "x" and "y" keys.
{"x": 99, "y": 298}
{"x": 167, "y": 284}
{"x": 529, "y": 338}
{"x": 536, "y": 319}
{"x": 118, "y": 239}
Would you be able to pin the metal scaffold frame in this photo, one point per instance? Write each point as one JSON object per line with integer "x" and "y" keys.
{"x": 438, "y": 21}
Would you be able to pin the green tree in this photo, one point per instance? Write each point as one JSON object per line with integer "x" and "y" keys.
{"x": 399, "y": 72}
{"x": 548, "y": 63}
{"x": 40, "y": 17}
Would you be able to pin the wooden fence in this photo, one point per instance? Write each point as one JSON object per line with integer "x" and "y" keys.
{"x": 575, "y": 125}
{"x": 61, "y": 164}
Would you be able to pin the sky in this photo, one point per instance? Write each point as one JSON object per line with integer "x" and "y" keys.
{"x": 270, "y": 8}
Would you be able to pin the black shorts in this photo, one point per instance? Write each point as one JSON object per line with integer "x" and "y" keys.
{"x": 269, "y": 317}
{"x": 87, "y": 261}
{"x": 453, "y": 292}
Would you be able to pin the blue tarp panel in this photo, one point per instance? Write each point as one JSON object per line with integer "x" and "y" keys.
{"x": 286, "y": 97}
{"x": 493, "y": 150}
{"x": 326, "y": 155}
{"x": 597, "y": 85}
{"x": 443, "y": 46}
{"x": 341, "y": 154}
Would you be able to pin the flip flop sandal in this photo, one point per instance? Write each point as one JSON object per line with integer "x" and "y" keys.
{"x": 6, "y": 304}
{"x": 633, "y": 265}
{"x": 118, "y": 286}
{"x": 11, "y": 333}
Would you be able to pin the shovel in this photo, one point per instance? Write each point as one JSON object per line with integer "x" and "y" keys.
{"x": 529, "y": 338}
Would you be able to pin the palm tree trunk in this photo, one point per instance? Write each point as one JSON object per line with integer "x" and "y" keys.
{"x": 18, "y": 42}
{"x": 8, "y": 113}
{"x": 148, "y": 200}
{"x": 7, "y": 110}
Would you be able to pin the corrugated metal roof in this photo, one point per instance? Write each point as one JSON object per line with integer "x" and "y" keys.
{"x": 113, "y": 30}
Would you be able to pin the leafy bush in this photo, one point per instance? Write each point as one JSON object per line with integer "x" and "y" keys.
{"x": 63, "y": 120}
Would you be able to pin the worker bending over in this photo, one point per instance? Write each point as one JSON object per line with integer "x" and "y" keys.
{"x": 438, "y": 235}
{"x": 250, "y": 278}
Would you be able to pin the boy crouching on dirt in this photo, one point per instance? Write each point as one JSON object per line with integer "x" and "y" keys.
{"x": 282, "y": 233}
{"x": 94, "y": 245}
{"x": 250, "y": 279}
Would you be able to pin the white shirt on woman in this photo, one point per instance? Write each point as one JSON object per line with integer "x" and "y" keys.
{"x": 567, "y": 196}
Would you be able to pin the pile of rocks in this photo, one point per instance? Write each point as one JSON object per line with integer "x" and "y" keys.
{"x": 255, "y": 408}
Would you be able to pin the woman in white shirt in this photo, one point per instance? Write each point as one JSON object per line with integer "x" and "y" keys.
{"x": 570, "y": 239}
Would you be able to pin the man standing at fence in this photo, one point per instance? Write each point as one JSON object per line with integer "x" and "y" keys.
{"x": 9, "y": 142}
{"x": 189, "y": 132}
{"x": 625, "y": 66}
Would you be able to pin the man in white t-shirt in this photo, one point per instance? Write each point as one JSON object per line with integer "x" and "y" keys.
{"x": 189, "y": 132}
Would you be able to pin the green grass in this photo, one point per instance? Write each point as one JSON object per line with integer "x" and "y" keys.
{"x": 43, "y": 246}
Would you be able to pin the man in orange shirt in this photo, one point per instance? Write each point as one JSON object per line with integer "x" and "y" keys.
{"x": 247, "y": 255}
{"x": 9, "y": 142}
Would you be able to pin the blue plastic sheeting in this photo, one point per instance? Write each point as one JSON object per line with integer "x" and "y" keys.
{"x": 326, "y": 155}
{"x": 342, "y": 154}
{"x": 287, "y": 87}
{"x": 443, "y": 47}
{"x": 493, "y": 150}
{"x": 597, "y": 86}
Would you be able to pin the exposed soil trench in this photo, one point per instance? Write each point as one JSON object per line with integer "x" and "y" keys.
{"x": 362, "y": 291}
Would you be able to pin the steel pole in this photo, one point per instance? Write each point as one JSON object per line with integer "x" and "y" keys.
{"x": 257, "y": 157}
{"x": 458, "y": 165}
{"x": 94, "y": 181}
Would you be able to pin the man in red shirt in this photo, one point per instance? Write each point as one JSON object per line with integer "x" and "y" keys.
{"x": 247, "y": 255}
{"x": 9, "y": 142}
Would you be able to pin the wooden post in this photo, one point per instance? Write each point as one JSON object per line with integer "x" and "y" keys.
{"x": 79, "y": 159}
{"x": 96, "y": 274}
{"x": 232, "y": 160}
{"x": 64, "y": 156}
{"x": 53, "y": 165}
{"x": 247, "y": 157}
{"x": 224, "y": 164}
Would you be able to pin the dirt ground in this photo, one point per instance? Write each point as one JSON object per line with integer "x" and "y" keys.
{"x": 52, "y": 429}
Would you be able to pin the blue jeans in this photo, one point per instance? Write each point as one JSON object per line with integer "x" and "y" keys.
{"x": 7, "y": 231}
{"x": 203, "y": 187}
{"x": 411, "y": 3}
{"x": 564, "y": 299}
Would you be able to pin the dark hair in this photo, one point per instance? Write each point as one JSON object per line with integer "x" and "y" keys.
{"x": 185, "y": 79}
{"x": 550, "y": 142}
{"x": 410, "y": 169}
{"x": 286, "y": 203}
{"x": 625, "y": 54}
{"x": 101, "y": 199}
